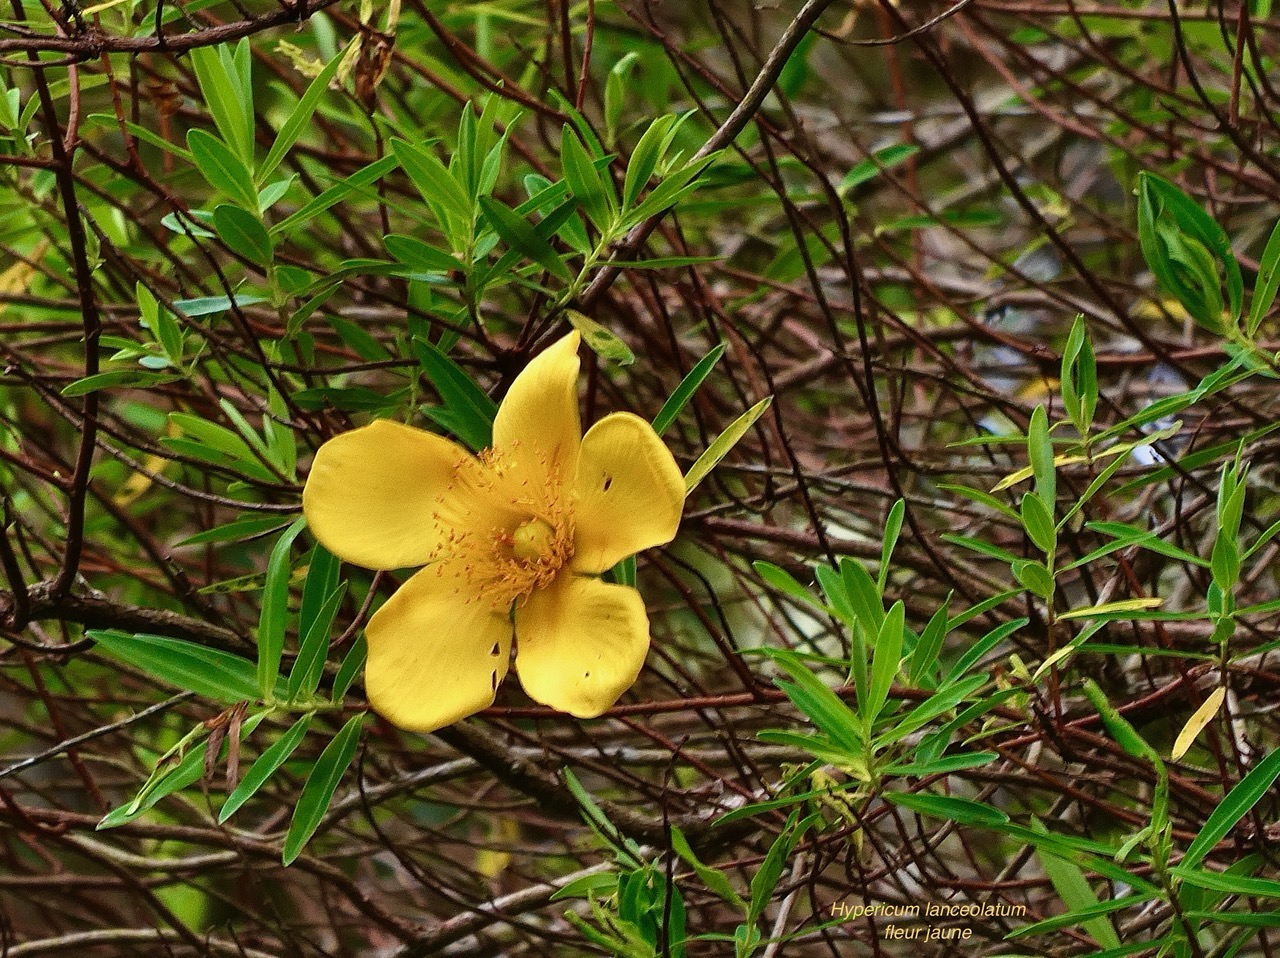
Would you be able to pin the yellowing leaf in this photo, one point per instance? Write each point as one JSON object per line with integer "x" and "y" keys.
{"x": 723, "y": 443}
{"x": 492, "y": 862}
{"x": 1195, "y": 725}
{"x": 1110, "y": 608}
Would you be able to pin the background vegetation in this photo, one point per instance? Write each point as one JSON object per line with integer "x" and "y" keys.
{"x": 977, "y": 613}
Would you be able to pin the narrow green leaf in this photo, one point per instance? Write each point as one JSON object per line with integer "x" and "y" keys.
{"x": 688, "y": 386}
{"x": 962, "y": 811}
{"x": 222, "y": 168}
{"x": 432, "y": 180}
{"x": 925, "y": 655}
{"x": 459, "y": 393}
{"x": 304, "y": 677}
{"x": 1264, "y": 290}
{"x": 223, "y": 93}
{"x": 817, "y": 702}
{"x": 211, "y": 673}
{"x": 128, "y": 378}
{"x": 886, "y": 660}
{"x": 785, "y": 582}
{"x": 644, "y": 160}
{"x": 520, "y": 235}
{"x": 1040, "y": 450}
{"x": 236, "y": 531}
{"x": 589, "y": 188}
{"x": 1238, "y": 802}
{"x": 715, "y": 880}
{"x": 298, "y": 119}
{"x": 1074, "y": 890}
{"x": 275, "y": 609}
{"x": 265, "y": 766}
{"x": 323, "y": 781}
{"x": 350, "y": 668}
{"x": 358, "y": 182}
{"x": 879, "y": 161}
{"x": 243, "y": 233}
{"x": 984, "y": 645}
{"x": 892, "y": 529}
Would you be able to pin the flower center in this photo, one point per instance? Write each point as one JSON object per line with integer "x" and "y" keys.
{"x": 501, "y": 561}
{"x": 533, "y": 541}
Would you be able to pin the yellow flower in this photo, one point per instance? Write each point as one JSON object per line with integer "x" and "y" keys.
{"x": 513, "y": 540}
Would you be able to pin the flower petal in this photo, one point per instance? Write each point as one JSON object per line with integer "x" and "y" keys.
{"x": 581, "y": 643}
{"x": 630, "y": 493}
{"x": 384, "y": 496}
{"x": 537, "y": 430}
{"x": 436, "y": 655}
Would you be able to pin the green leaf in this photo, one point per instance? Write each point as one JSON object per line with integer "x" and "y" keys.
{"x": 304, "y": 677}
{"x": 688, "y": 386}
{"x": 208, "y": 305}
{"x": 892, "y": 529}
{"x": 222, "y": 168}
{"x": 461, "y": 395}
{"x": 358, "y": 182}
{"x": 298, "y": 119}
{"x": 1040, "y": 450}
{"x": 433, "y": 181}
{"x": 243, "y": 233}
{"x": 1034, "y": 576}
{"x": 715, "y": 880}
{"x": 129, "y": 378}
{"x": 723, "y": 444}
{"x": 1118, "y": 726}
{"x": 942, "y": 701}
{"x": 766, "y": 878}
{"x": 1072, "y": 887}
{"x": 237, "y": 531}
{"x": 589, "y": 187}
{"x": 785, "y": 582}
{"x": 1264, "y": 290}
{"x": 887, "y": 659}
{"x": 1038, "y": 521}
{"x": 1079, "y": 916}
{"x": 224, "y": 91}
{"x": 211, "y": 673}
{"x": 879, "y": 161}
{"x": 421, "y": 256}
{"x": 984, "y": 645}
{"x": 962, "y": 811}
{"x": 1231, "y": 884}
{"x": 1238, "y": 802}
{"x": 925, "y": 655}
{"x": 602, "y": 341}
{"x": 265, "y": 766}
{"x": 644, "y": 159}
{"x": 161, "y": 323}
{"x": 275, "y": 609}
{"x": 519, "y": 234}
{"x": 350, "y": 668}
{"x": 816, "y": 701}
{"x": 323, "y": 781}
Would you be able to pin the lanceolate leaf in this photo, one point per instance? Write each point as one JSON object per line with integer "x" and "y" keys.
{"x": 317, "y": 794}
{"x": 211, "y": 673}
{"x": 265, "y": 766}
{"x": 723, "y": 443}
{"x": 275, "y": 610}
{"x": 1234, "y": 807}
